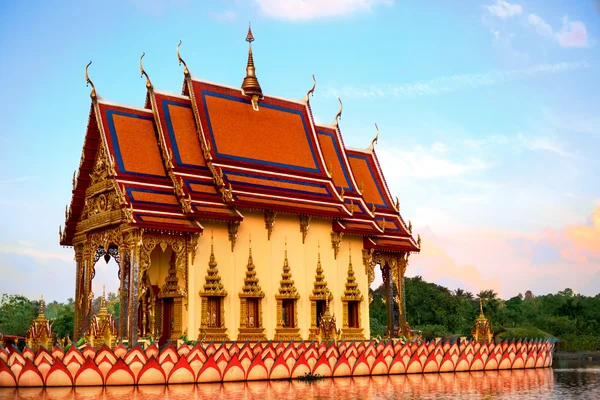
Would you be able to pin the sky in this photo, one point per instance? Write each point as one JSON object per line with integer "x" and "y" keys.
{"x": 488, "y": 113}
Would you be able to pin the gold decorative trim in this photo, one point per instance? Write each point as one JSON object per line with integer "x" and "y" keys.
{"x": 287, "y": 291}
{"x": 311, "y": 91}
{"x": 336, "y": 242}
{"x": 212, "y": 288}
{"x": 319, "y": 292}
{"x": 339, "y": 114}
{"x": 232, "y": 227}
{"x": 352, "y": 294}
{"x": 304, "y": 225}
{"x": 270, "y": 222}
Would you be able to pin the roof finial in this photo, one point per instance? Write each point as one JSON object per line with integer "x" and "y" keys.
{"x": 186, "y": 71}
{"x": 250, "y": 85}
{"x": 339, "y": 114}
{"x": 88, "y": 82}
{"x": 148, "y": 83}
{"x": 375, "y": 139}
{"x": 311, "y": 92}
{"x": 42, "y": 304}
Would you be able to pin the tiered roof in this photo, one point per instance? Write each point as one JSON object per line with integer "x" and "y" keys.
{"x": 215, "y": 151}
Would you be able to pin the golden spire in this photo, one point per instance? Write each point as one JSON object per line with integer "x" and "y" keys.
{"x": 352, "y": 291}
{"x": 42, "y": 304}
{"x": 251, "y": 286}
{"x": 213, "y": 279}
{"x": 148, "y": 83}
{"x": 88, "y": 82}
{"x": 320, "y": 286}
{"x": 250, "y": 85}
{"x": 103, "y": 310}
{"x": 186, "y": 71}
{"x": 481, "y": 308}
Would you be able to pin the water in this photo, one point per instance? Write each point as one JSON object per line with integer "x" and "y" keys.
{"x": 567, "y": 380}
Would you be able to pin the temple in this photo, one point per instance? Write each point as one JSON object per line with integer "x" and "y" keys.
{"x": 232, "y": 216}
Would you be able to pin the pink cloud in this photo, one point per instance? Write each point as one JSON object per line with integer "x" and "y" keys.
{"x": 572, "y": 34}
{"x": 513, "y": 262}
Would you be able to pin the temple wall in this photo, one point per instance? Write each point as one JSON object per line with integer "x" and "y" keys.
{"x": 268, "y": 256}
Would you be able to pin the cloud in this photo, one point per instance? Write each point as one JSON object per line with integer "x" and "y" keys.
{"x": 302, "y": 10}
{"x": 436, "y": 265}
{"x": 542, "y": 28}
{"x": 424, "y": 163}
{"x": 513, "y": 262}
{"x": 545, "y": 144}
{"x": 226, "y": 16}
{"x": 36, "y": 254}
{"x": 488, "y": 141}
{"x": 571, "y": 33}
{"x": 503, "y": 9}
{"x": 447, "y": 84}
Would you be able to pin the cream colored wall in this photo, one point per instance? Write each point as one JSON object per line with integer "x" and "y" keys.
{"x": 268, "y": 259}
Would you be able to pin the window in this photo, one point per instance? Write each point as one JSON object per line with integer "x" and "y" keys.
{"x": 321, "y": 306}
{"x": 252, "y": 313}
{"x": 214, "y": 312}
{"x": 287, "y": 310}
{"x": 353, "y": 314}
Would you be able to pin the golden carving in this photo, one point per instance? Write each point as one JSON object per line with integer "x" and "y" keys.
{"x": 311, "y": 92}
{"x": 339, "y": 114}
{"x": 227, "y": 194}
{"x": 213, "y": 288}
{"x": 186, "y": 72}
{"x": 483, "y": 329}
{"x": 327, "y": 325}
{"x": 250, "y": 85}
{"x": 361, "y": 188}
{"x": 319, "y": 292}
{"x": 336, "y": 242}
{"x": 232, "y": 227}
{"x": 382, "y": 224}
{"x": 270, "y": 222}
{"x": 88, "y": 82}
{"x": 397, "y": 205}
{"x": 375, "y": 139}
{"x": 304, "y": 225}
{"x": 342, "y": 193}
{"x": 419, "y": 240}
{"x": 143, "y": 73}
{"x": 74, "y": 181}
{"x": 250, "y": 318}
{"x": 287, "y": 291}
{"x": 353, "y": 296}
{"x": 351, "y": 207}
{"x": 102, "y": 328}
{"x": 40, "y": 332}
{"x": 410, "y": 227}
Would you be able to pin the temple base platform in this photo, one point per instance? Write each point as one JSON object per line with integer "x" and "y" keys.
{"x": 248, "y": 361}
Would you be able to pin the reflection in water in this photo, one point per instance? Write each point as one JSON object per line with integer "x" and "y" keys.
{"x": 531, "y": 384}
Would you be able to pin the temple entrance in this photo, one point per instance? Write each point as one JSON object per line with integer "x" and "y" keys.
{"x": 167, "y": 321}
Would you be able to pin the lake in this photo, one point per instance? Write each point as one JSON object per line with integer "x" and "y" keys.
{"x": 567, "y": 379}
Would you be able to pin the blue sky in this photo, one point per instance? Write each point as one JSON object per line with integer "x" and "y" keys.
{"x": 488, "y": 113}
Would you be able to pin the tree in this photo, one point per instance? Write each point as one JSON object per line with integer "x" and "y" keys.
{"x": 16, "y": 314}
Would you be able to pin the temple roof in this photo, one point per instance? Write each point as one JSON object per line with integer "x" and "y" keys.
{"x": 215, "y": 151}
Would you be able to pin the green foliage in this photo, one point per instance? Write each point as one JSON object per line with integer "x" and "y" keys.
{"x": 16, "y": 314}
{"x": 439, "y": 312}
